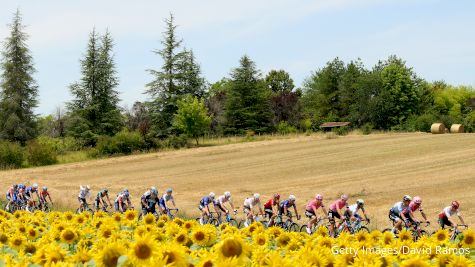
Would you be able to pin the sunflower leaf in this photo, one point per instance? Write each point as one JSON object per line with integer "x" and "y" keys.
{"x": 122, "y": 260}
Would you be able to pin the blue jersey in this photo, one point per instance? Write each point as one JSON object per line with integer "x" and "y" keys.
{"x": 286, "y": 204}
{"x": 29, "y": 190}
{"x": 206, "y": 201}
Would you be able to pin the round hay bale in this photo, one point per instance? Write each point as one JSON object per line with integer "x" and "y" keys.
{"x": 456, "y": 128}
{"x": 437, "y": 128}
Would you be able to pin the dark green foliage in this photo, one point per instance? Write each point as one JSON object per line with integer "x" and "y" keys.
{"x": 124, "y": 142}
{"x": 366, "y": 128}
{"x": 192, "y": 117}
{"x": 285, "y": 128}
{"x": 94, "y": 110}
{"x": 247, "y": 102}
{"x": 178, "y": 76}
{"x": 279, "y": 82}
{"x": 341, "y": 130}
{"x": 176, "y": 142}
{"x": 11, "y": 155}
{"x": 40, "y": 154}
{"x": 421, "y": 123}
{"x": 18, "y": 89}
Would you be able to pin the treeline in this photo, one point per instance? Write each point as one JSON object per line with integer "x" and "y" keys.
{"x": 183, "y": 105}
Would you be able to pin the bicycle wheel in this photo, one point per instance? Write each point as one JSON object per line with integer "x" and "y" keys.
{"x": 234, "y": 223}
{"x": 78, "y": 210}
{"x": 264, "y": 223}
{"x": 293, "y": 227}
{"x": 303, "y": 228}
{"x": 213, "y": 221}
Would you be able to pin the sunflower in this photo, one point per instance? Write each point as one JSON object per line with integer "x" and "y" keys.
{"x": 109, "y": 255}
{"x": 30, "y": 248}
{"x": 405, "y": 235}
{"x": 260, "y": 239}
{"x": 387, "y": 238}
{"x": 415, "y": 261}
{"x": 3, "y": 238}
{"x": 142, "y": 250}
{"x": 117, "y": 217}
{"x": 149, "y": 218}
{"x": 106, "y": 230}
{"x": 130, "y": 215}
{"x": 54, "y": 254}
{"x": 325, "y": 242}
{"x": 173, "y": 255}
{"x": 178, "y": 221}
{"x": 181, "y": 238}
{"x": 200, "y": 237}
{"x": 68, "y": 236}
{"x": 468, "y": 240}
{"x": 17, "y": 241}
{"x": 188, "y": 225}
{"x": 441, "y": 236}
{"x": 460, "y": 261}
{"x": 68, "y": 216}
{"x": 232, "y": 247}
{"x": 282, "y": 240}
{"x": 82, "y": 255}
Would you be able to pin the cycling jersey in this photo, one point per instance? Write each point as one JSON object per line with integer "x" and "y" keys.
{"x": 11, "y": 194}
{"x": 398, "y": 208}
{"x": 286, "y": 204}
{"x": 164, "y": 199}
{"x": 412, "y": 207}
{"x": 83, "y": 193}
{"x": 150, "y": 201}
{"x": 251, "y": 202}
{"x": 340, "y": 204}
{"x": 44, "y": 194}
{"x": 313, "y": 204}
{"x": 204, "y": 202}
{"x": 99, "y": 195}
{"x": 355, "y": 208}
{"x": 449, "y": 212}
{"x": 270, "y": 203}
{"x": 221, "y": 200}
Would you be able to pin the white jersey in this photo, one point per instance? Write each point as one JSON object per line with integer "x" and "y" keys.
{"x": 399, "y": 207}
{"x": 83, "y": 193}
{"x": 252, "y": 202}
{"x": 354, "y": 208}
{"x": 449, "y": 212}
{"x": 221, "y": 200}
{"x": 167, "y": 197}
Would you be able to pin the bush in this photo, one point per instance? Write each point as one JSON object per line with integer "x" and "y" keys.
{"x": 61, "y": 145}
{"x": 341, "y": 130}
{"x": 420, "y": 123}
{"x": 40, "y": 154}
{"x": 367, "y": 128}
{"x": 124, "y": 142}
{"x": 11, "y": 155}
{"x": 176, "y": 141}
{"x": 285, "y": 128}
{"x": 306, "y": 125}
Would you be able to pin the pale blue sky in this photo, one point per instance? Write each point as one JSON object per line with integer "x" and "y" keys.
{"x": 436, "y": 38}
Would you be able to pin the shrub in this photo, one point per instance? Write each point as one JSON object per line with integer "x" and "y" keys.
{"x": 176, "y": 141}
{"x": 420, "y": 123}
{"x": 11, "y": 155}
{"x": 367, "y": 128}
{"x": 40, "y": 154}
{"x": 306, "y": 125}
{"x": 124, "y": 142}
{"x": 285, "y": 128}
{"x": 61, "y": 145}
{"x": 341, "y": 130}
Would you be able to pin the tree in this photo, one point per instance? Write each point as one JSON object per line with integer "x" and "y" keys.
{"x": 19, "y": 92}
{"x": 192, "y": 117}
{"x": 179, "y": 75}
{"x": 138, "y": 118}
{"x": 94, "y": 110}
{"x": 247, "y": 103}
{"x": 279, "y": 82}
{"x": 215, "y": 103}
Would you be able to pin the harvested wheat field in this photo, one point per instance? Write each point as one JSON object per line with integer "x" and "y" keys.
{"x": 380, "y": 168}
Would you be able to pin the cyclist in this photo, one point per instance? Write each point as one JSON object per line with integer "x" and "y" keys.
{"x": 29, "y": 195}
{"x": 205, "y": 212}
{"x": 164, "y": 199}
{"x": 148, "y": 201}
{"x": 311, "y": 211}
{"x": 396, "y": 214}
{"x": 11, "y": 195}
{"x": 271, "y": 208}
{"x": 219, "y": 204}
{"x": 100, "y": 202}
{"x": 336, "y": 211}
{"x": 21, "y": 194}
{"x": 286, "y": 204}
{"x": 413, "y": 206}
{"x": 448, "y": 212}
{"x": 352, "y": 211}
{"x": 84, "y": 192}
{"x": 43, "y": 194}
{"x": 119, "y": 202}
{"x": 249, "y": 204}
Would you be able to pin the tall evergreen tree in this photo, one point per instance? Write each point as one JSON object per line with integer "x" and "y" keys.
{"x": 179, "y": 75}
{"x": 247, "y": 103}
{"x": 94, "y": 109}
{"x": 19, "y": 92}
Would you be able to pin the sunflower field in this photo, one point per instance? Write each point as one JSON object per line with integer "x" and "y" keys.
{"x": 67, "y": 239}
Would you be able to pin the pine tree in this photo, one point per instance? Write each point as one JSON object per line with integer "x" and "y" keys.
{"x": 247, "y": 104}
{"x": 179, "y": 75}
{"x": 94, "y": 110}
{"x": 19, "y": 92}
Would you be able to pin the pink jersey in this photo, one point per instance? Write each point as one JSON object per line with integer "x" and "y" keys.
{"x": 413, "y": 206}
{"x": 314, "y": 204}
{"x": 340, "y": 204}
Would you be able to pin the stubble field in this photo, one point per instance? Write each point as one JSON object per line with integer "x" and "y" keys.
{"x": 379, "y": 168}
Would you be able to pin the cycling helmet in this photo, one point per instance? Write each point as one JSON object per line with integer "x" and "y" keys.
{"x": 211, "y": 194}
{"x": 45, "y": 188}
{"x": 276, "y": 195}
{"x": 257, "y": 196}
{"x": 126, "y": 193}
{"x": 417, "y": 200}
{"x": 455, "y": 204}
{"x": 153, "y": 188}
{"x": 360, "y": 202}
{"x": 344, "y": 197}
{"x": 105, "y": 190}
{"x": 15, "y": 186}
{"x": 126, "y": 190}
{"x": 154, "y": 191}
{"x": 318, "y": 197}
{"x": 292, "y": 197}
{"x": 35, "y": 186}
{"x": 88, "y": 187}
{"x": 407, "y": 198}
{"x": 169, "y": 190}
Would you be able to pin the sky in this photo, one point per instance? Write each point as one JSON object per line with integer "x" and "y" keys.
{"x": 435, "y": 38}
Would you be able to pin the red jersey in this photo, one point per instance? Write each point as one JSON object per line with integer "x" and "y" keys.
{"x": 270, "y": 203}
